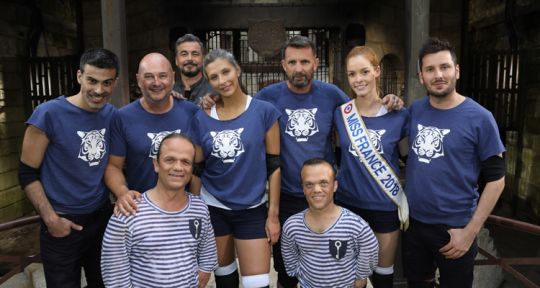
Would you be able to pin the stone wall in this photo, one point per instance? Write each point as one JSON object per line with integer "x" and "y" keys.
{"x": 12, "y": 112}
{"x": 57, "y": 37}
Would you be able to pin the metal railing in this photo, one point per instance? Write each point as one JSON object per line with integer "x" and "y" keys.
{"x": 505, "y": 263}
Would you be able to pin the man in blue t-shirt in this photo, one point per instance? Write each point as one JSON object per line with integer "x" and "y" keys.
{"x": 63, "y": 159}
{"x": 452, "y": 141}
{"x": 138, "y": 128}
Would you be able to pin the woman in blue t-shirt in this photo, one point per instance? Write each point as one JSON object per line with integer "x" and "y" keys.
{"x": 361, "y": 172}
{"x": 238, "y": 141}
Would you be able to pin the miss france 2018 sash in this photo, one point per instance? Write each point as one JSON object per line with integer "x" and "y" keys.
{"x": 375, "y": 164}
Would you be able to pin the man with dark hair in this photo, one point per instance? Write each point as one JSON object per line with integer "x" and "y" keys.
{"x": 307, "y": 107}
{"x": 452, "y": 140}
{"x": 327, "y": 245}
{"x": 138, "y": 128}
{"x": 63, "y": 159}
{"x": 170, "y": 243}
{"x": 189, "y": 52}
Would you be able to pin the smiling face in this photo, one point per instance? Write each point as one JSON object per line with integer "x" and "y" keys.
{"x": 96, "y": 86}
{"x": 175, "y": 163}
{"x": 223, "y": 76}
{"x": 319, "y": 185}
{"x": 155, "y": 78}
{"x": 189, "y": 58}
{"x": 362, "y": 76}
{"x": 439, "y": 74}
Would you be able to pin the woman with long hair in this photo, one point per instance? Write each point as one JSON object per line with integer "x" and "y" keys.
{"x": 236, "y": 137}
{"x": 368, "y": 176}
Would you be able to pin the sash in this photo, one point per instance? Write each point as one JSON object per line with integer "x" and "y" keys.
{"x": 375, "y": 164}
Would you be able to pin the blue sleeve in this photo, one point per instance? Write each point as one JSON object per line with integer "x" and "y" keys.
{"x": 406, "y": 125}
{"x": 343, "y": 98}
{"x": 118, "y": 136}
{"x": 195, "y": 130}
{"x": 489, "y": 141}
{"x": 272, "y": 115}
{"x": 41, "y": 119}
{"x": 115, "y": 253}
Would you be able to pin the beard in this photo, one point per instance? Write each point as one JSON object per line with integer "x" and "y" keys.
{"x": 190, "y": 73}
{"x": 445, "y": 92}
{"x": 300, "y": 80}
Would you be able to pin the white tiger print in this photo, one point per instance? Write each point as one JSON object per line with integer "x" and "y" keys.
{"x": 156, "y": 140}
{"x": 92, "y": 146}
{"x": 301, "y": 123}
{"x": 375, "y": 138}
{"x": 227, "y": 144}
{"x": 428, "y": 143}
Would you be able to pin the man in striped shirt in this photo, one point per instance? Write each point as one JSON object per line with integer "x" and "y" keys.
{"x": 327, "y": 245}
{"x": 170, "y": 243}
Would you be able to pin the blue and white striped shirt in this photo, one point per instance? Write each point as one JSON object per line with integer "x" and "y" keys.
{"x": 346, "y": 251}
{"x": 157, "y": 248}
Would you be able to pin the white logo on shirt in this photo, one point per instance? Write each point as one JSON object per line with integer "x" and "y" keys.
{"x": 227, "y": 144}
{"x": 375, "y": 138}
{"x": 156, "y": 140}
{"x": 301, "y": 123}
{"x": 428, "y": 143}
{"x": 92, "y": 146}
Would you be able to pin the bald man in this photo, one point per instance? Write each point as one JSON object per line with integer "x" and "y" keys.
{"x": 139, "y": 127}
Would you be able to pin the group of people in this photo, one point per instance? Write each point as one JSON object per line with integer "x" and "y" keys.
{"x": 197, "y": 189}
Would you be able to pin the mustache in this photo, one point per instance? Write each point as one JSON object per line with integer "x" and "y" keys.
{"x": 190, "y": 62}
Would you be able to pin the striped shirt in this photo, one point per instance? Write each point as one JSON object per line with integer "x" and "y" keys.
{"x": 346, "y": 251}
{"x": 157, "y": 248}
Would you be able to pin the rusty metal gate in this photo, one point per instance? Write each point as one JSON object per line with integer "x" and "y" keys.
{"x": 258, "y": 71}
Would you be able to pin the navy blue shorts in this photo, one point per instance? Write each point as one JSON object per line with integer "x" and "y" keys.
{"x": 242, "y": 224}
{"x": 421, "y": 256}
{"x": 379, "y": 221}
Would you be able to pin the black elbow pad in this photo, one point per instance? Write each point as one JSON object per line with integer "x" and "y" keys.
{"x": 493, "y": 168}
{"x": 28, "y": 174}
{"x": 273, "y": 162}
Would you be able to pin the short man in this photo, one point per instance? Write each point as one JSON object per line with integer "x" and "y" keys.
{"x": 63, "y": 159}
{"x": 327, "y": 245}
{"x": 189, "y": 54}
{"x": 139, "y": 127}
{"x": 307, "y": 107}
{"x": 453, "y": 140}
{"x": 170, "y": 243}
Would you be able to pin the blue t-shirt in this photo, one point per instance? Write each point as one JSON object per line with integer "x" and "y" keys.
{"x": 235, "y": 154}
{"x": 356, "y": 186}
{"x": 76, "y": 156}
{"x": 446, "y": 148}
{"x": 305, "y": 127}
{"x": 137, "y": 133}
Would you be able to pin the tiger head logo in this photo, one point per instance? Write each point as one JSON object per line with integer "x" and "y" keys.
{"x": 301, "y": 123}
{"x": 428, "y": 143}
{"x": 156, "y": 140}
{"x": 227, "y": 144}
{"x": 92, "y": 146}
{"x": 375, "y": 138}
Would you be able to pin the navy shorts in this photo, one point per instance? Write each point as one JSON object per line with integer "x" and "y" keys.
{"x": 242, "y": 224}
{"x": 379, "y": 221}
{"x": 421, "y": 256}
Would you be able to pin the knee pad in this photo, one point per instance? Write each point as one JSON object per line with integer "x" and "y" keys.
{"x": 384, "y": 270}
{"x": 226, "y": 270}
{"x": 256, "y": 281}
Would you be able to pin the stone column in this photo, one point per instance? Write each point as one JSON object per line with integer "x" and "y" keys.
{"x": 417, "y": 23}
{"x": 113, "y": 16}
